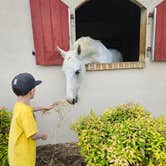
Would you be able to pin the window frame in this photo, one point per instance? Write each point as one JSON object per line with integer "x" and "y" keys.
{"x": 118, "y": 65}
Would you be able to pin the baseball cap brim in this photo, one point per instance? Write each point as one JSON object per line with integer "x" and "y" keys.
{"x": 37, "y": 82}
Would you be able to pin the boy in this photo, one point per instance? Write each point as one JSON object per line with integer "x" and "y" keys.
{"x": 23, "y": 130}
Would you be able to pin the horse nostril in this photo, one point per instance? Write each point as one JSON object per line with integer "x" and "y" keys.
{"x": 74, "y": 101}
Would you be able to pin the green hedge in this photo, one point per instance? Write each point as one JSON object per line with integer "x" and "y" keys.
{"x": 126, "y": 135}
{"x": 5, "y": 118}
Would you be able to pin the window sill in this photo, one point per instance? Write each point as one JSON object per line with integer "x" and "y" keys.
{"x": 114, "y": 66}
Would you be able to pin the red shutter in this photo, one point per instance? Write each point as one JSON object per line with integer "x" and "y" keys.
{"x": 160, "y": 37}
{"x": 50, "y": 28}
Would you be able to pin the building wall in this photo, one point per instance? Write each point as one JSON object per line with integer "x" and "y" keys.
{"x": 99, "y": 90}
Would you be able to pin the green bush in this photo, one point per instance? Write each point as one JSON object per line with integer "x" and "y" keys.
{"x": 126, "y": 135}
{"x": 5, "y": 118}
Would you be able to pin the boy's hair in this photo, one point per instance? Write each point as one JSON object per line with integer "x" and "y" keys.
{"x": 23, "y": 83}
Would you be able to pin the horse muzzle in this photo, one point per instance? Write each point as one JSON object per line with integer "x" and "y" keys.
{"x": 72, "y": 100}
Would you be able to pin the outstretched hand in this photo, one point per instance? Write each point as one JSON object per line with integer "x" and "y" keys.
{"x": 44, "y": 108}
{"x": 49, "y": 107}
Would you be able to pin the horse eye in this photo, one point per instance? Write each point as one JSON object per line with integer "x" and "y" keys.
{"x": 77, "y": 72}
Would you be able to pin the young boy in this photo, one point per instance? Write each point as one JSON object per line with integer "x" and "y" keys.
{"x": 23, "y": 130}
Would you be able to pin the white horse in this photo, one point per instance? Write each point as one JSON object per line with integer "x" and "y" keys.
{"x": 85, "y": 50}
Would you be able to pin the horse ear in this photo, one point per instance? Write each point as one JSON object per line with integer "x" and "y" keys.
{"x": 79, "y": 50}
{"x": 61, "y": 52}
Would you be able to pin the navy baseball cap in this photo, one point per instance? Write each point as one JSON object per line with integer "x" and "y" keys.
{"x": 23, "y": 83}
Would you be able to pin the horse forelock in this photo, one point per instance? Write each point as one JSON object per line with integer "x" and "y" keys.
{"x": 72, "y": 63}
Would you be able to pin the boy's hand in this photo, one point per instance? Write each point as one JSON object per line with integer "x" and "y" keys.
{"x": 44, "y": 136}
{"x": 49, "y": 107}
{"x": 39, "y": 135}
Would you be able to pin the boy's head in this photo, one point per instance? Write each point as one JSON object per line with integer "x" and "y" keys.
{"x": 23, "y": 83}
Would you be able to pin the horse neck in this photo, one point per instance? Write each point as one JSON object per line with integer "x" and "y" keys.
{"x": 102, "y": 56}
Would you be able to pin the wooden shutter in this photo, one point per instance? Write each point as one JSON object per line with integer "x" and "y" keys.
{"x": 160, "y": 33}
{"x": 50, "y": 28}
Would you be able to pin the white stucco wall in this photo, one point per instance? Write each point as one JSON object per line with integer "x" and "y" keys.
{"x": 99, "y": 89}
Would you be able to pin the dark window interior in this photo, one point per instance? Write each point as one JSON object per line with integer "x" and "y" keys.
{"x": 114, "y": 22}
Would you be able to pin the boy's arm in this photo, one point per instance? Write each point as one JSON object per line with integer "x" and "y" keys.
{"x": 39, "y": 135}
{"x": 45, "y": 108}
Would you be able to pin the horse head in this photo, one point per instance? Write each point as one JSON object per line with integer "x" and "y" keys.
{"x": 85, "y": 50}
{"x": 73, "y": 68}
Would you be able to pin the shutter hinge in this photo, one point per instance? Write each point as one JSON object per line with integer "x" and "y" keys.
{"x": 72, "y": 16}
{"x": 151, "y": 14}
{"x": 33, "y": 53}
{"x": 149, "y": 49}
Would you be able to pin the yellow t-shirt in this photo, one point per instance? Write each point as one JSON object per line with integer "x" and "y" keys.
{"x": 21, "y": 148}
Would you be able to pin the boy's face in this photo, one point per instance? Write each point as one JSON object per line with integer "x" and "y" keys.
{"x": 32, "y": 93}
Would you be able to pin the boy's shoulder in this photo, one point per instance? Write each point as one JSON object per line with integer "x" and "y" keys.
{"x": 22, "y": 108}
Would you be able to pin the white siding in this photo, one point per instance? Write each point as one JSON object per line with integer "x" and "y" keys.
{"x": 99, "y": 89}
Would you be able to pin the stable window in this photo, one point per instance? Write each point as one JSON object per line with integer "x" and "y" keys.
{"x": 117, "y": 24}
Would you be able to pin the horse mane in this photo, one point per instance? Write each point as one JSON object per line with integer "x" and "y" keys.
{"x": 94, "y": 51}
{"x": 88, "y": 45}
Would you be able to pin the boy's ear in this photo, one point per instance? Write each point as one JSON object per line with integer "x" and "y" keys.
{"x": 32, "y": 91}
